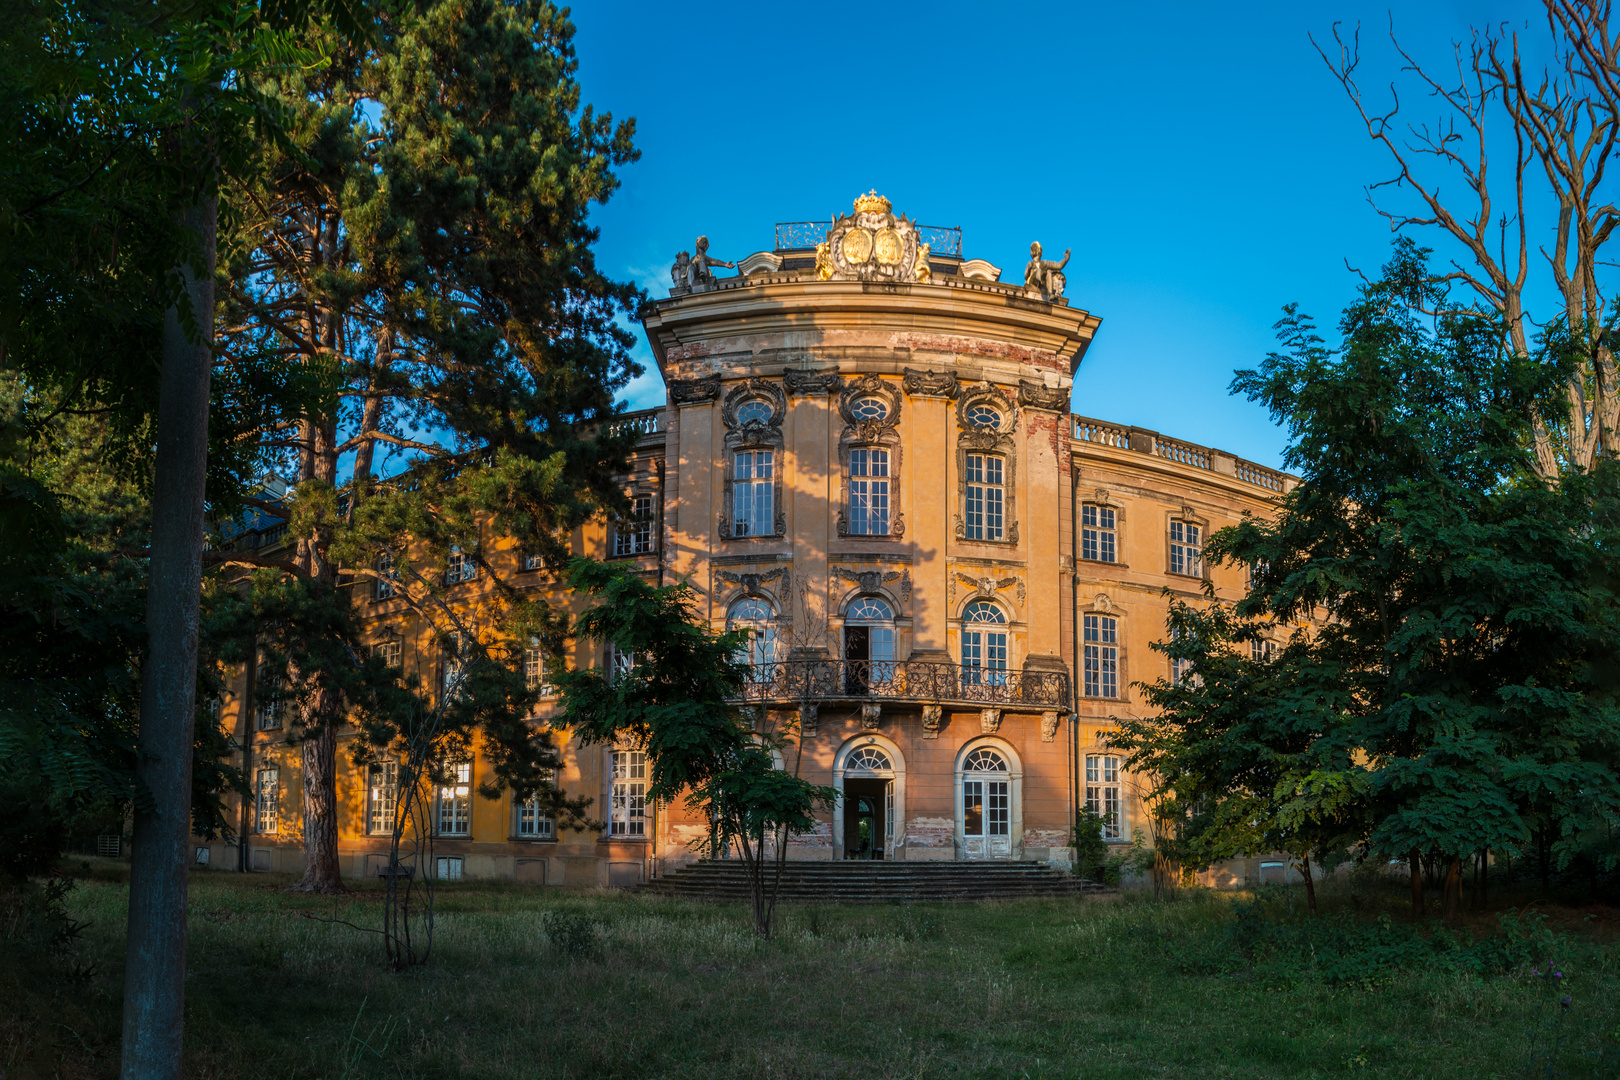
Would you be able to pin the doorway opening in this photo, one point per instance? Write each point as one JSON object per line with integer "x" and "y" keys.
{"x": 868, "y": 818}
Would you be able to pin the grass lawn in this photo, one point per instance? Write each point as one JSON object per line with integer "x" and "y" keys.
{"x": 1030, "y": 988}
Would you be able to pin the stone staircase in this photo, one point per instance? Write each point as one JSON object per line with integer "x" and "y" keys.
{"x": 852, "y": 882}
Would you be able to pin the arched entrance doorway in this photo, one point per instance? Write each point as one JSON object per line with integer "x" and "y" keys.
{"x": 989, "y": 801}
{"x": 870, "y": 820}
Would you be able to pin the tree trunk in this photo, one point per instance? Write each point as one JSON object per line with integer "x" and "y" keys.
{"x": 321, "y": 872}
{"x": 1484, "y": 877}
{"x": 1415, "y": 860}
{"x": 1452, "y": 892}
{"x": 155, "y": 955}
{"x": 1310, "y": 886}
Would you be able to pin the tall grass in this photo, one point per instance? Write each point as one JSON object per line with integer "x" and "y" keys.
{"x": 528, "y": 983}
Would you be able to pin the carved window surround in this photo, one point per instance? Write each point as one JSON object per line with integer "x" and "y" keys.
{"x": 882, "y": 434}
{"x": 1103, "y": 497}
{"x": 1187, "y": 516}
{"x": 754, "y": 435}
{"x": 752, "y": 583}
{"x": 982, "y": 440}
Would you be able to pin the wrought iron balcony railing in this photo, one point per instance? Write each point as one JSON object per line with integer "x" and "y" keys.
{"x": 903, "y": 680}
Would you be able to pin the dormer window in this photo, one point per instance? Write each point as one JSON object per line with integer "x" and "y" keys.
{"x": 869, "y": 408}
{"x": 983, "y": 416}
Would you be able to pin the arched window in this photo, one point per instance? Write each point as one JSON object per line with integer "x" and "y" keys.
{"x": 868, "y": 645}
{"x": 982, "y": 760}
{"x": 984, "y": 645}
{"x": 756, "y": 618}
{"x": 868, "y": 759}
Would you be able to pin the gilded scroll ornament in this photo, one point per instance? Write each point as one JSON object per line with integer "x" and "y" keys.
{"x": 888, "y": 246}
{"x": 857, "y": 246}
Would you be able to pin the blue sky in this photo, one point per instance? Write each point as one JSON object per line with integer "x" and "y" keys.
{"x": 1200, "y": 160}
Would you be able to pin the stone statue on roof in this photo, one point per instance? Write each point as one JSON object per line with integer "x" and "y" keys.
{"x": 698, "y": 271}
{"x": 1044, "y": 274}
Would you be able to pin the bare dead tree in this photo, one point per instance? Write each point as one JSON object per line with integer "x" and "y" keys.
{"x": 1564, "y": 122}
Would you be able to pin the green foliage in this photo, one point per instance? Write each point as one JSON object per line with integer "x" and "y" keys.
{"x": 1090, "y": 849}
{"x": 571, "y": 933}
{"x": 1459, "y": 694}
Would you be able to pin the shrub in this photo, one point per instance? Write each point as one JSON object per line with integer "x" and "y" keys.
{"x": 569, "y": 932}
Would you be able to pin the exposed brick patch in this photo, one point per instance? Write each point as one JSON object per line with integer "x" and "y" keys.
{"x": 1046, "y": 838}
{"x": 930, "y": 833}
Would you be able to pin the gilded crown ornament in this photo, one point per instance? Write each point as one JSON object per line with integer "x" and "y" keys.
{"x": 871, "y": 203}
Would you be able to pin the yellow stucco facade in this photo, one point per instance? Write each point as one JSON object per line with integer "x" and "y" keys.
{"x": 954, "y": 581}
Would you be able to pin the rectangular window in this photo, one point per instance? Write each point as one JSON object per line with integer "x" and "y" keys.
{"x": 982, "y": 514}
{"x": 634, "y": 535}
{"x": 267, "y": 800}
{"x": 533, "y": 562}
{"x": 1186, "y": 555}
{"x": 1257, "y": 570}
{"x": 384, "y": 588}
{"x": 536, "y": 668}
{"x": 629, "y": 803}
{"x": 1260, "y": 650}
{"x": 1097, "y": 533}
{"x": 752, "y": 494}
{"x": 459, "y": 567}
{"x": 389, "y": 652}
{"x": 869, "y": 492}
{"x": 455, "y": 799}
{"x": 532, "y": 822}
{"x": 453, "y": 669}
{"x": 383, "y": 790}
{"x": 1102, "y": 656}
{"x": 984, "y": 657}
{"x": 448, "y": 868}
{"x": 267, "y": 717}
{"x": 1102, "y": 792}
{"x": 620, "y": 662}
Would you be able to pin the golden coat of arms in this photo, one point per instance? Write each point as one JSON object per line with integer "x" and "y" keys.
{"x": 873, "y": 244}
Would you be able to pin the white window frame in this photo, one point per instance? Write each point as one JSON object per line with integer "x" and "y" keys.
{"x": 382, "y": 795}
{"x": 756, "y": 617}
{"x": 627, "y": 770}
{"x": 1099, "y": 533}
{"x": 1101, "y": 655}
{"x": 868, "y": 491}
{"x": 452, "y": 810}
{"x": 634, "y": 535}
{"x": 1261, "y": 650}
{"x": 986, "y": 645}
{"x": 1186, "y": 548}
{"x": 753, "y": 489}
{"x": 459, "y": 566}
{"x": 267, "y": 711}
{"x": 537, "y": 668}
{"x": 985, "y": 500}
{"x": 1103, "y": 793}
{"x": 267, "y": 802}
{"x": 383, "y": 588}
{"x": 390, "y": 651}
{"x": 618, "y": 662}
{"x": 528, "y": 823}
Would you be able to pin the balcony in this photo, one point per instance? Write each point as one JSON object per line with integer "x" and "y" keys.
{"x": 917, "y": 681}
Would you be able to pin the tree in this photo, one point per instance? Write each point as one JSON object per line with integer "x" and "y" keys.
{"x": 1452, "y": 688}
{"x": 433, "y": 270}
{"x": 1551, "y": 208}
{"x": 678, "y": 703}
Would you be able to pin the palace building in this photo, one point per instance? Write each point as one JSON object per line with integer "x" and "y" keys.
{"x": 868, "y": 458}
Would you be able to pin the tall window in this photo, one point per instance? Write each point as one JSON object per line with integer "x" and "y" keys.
{"x": 383, "y": 790}
{"x": 533, "y": 823}
{"x": 1102, "y": 656}
{"x": 1186, "y": 554}
{"x": 751, "y": 494}
{"x": 635, "y": 535}
{"x": 454, "y": 671}
{"x": 869, "y": 492}
{"x": 1102, "y": 792}
{"x": 986, "y": 800}
{"x": 1180, "y": 669}
{"x": 1257, "y": 572}
{"x": 1097, "y": 533}
{"x": 868, "y": 636}
{"x": 755, "y": 618}
{"x": 267, "y": 690}
{"x": 459, "y": 567}
{"x": 536, "y": 664}
{"x": 389, "y": 652}
{"x": 384, "y": 588}
{"x": 629, "y": 802}
{"x": 455, "y": 799}
{"x": 984, "y": 644}
{"x": 267, "y": 800}
{"x": 1260, "y": 650}
{"x": 982, "y": 516}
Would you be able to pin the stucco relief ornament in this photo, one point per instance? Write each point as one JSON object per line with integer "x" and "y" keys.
{"x": 809, "y": 382}
{"x": 989, "y": 720}
{"x": 1044, "y": 274}
{"x": 694, "y": 391}
{"x": 872, "y": 244}
{"x": 929, "y": 383}
{"x": 931, "y": 717}
{"x": 1035, "y": 396}
{"x": 1049, "y": 726}
{"x": 871, "y": 716}
{"x": 990, "y": 586}
{"x": 920, "y": 270}
{"x": 809, "y": 714}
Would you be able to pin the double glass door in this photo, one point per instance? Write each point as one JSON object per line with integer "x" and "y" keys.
{"x": 986, "y": 818}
